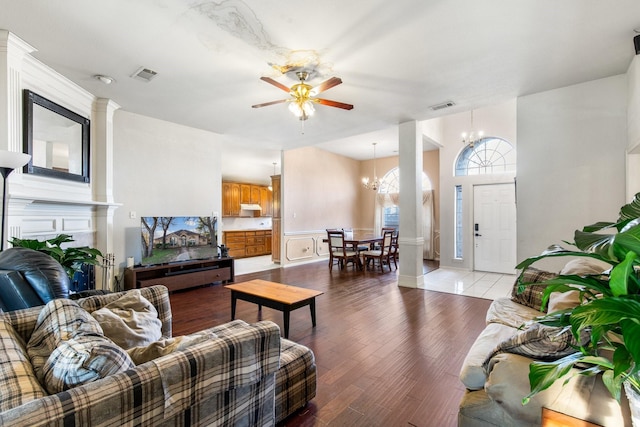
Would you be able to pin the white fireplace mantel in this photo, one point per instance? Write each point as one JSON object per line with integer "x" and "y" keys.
{"x": 58, "y": 201}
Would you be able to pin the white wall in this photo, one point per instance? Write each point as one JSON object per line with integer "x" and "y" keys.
{"x": 320, "y": 190}
{"x": 497, "y": 121}
{"x": 571, "y": 161}
{"x": 164, "y": 169}
{"x": 633, "y": 128}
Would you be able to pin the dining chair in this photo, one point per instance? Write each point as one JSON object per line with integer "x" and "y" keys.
{"x": 338, "y": 251}
{"x": 391, "y": 229}
{"x": 395, "y": 250}
{"x": 383, "y": 254}
{"x": 348, "y": 235}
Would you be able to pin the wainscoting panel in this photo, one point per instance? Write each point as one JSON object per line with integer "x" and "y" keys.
{"x": 299, "y": 248}
{"x": 38, "y": 226}
{"x": 70, "y": 225}
{"x": 322, "y": 248}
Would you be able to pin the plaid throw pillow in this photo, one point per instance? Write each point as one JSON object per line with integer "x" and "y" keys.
{"x": 532, "y": 294}
{"x": 539, "y": 342}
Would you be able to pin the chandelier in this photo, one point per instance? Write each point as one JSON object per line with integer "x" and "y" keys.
{"x": 473, "y": 136}
{"x": 366, "y": 182}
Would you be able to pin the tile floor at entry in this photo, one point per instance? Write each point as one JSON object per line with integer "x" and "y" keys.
{"x": 453, "y": 281}
{"x": 477, "y": 284}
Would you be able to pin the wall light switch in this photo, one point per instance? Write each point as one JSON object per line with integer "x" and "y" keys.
{"x": 132, "y": 215}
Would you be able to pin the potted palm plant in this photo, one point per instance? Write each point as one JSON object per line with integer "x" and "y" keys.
{"x": 610, "y": 308}
{"x": 71, "y": 258}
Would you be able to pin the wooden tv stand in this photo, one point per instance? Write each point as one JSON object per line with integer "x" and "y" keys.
{"x": 180, "y": 275}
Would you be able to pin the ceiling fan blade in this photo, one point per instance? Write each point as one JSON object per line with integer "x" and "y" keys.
{"x": 275, "y": 83}
{"x": 327, "y": 84}
{"x": 266, "y": 104}
{"x": 333, "y": 103}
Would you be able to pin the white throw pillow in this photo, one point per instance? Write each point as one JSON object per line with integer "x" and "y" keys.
{"x": 563, "y": 300}
{"x": 583, "y": 266}
{"x": 130, "y": 321}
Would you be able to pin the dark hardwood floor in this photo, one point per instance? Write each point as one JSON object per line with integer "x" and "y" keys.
{"x": 386, "y": 355}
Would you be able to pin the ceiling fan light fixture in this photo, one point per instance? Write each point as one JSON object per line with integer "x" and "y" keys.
{"x": 302, "y": 95}
{"x": 307, "y": 108}
{"x": 295, "y": 109}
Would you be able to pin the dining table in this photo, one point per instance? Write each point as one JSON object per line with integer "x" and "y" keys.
{"x": 359, "y": 240}
{"x": 362, "y": 241}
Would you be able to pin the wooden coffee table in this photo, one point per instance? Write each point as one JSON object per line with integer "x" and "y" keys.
{"x": 274, "y": 295}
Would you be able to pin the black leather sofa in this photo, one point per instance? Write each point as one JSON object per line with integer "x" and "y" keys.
{"x": 29, "y": 278}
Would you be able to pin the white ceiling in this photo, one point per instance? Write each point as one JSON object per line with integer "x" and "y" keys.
{"x": 396, "y": 59}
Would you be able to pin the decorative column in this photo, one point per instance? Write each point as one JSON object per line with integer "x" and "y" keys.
{"x": 102, "y": 170}
{"x": 12, "y": 52}
{"x": 410, "y": 239}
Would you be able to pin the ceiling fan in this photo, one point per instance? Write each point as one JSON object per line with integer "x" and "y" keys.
{"x": 302, "y": 95}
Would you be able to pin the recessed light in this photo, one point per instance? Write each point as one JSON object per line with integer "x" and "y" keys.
{"x": 104, "y": 79}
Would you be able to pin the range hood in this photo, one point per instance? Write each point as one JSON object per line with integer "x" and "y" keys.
{"x": 250, "y": 207}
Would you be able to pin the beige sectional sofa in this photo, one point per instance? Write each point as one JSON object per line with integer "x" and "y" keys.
{"x": 495, "y": 370}
{"x": 234, "y": 374}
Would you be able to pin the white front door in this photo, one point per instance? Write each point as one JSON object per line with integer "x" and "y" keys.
{"x": 494, "y": 228}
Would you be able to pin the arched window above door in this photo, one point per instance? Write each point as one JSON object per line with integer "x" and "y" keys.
{"x": 487, "y": 156}
{"x": 391, "y": 182}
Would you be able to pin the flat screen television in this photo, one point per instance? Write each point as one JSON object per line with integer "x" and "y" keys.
{"x": 168, "y": 239}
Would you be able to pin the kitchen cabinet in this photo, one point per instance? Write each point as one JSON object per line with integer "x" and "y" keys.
{"x": 276, "y": 221}
{"x": 247, "y": 243}
{"x": 230, "y": 199}
{"x": 236, "y": 193}
{"x": 235, "y": 243}
{"x": 255, "y": 194}
{"x": 266, "y": 201}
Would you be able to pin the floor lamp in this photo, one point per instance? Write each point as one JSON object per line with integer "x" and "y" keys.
{"x": 9, "y": 160}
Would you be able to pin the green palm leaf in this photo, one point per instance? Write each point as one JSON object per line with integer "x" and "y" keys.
{"x": 630, "y": 211}
{"x": 620, "y": 275}
{"x": 593, "y": 243}
{"x": 543, "y": 374}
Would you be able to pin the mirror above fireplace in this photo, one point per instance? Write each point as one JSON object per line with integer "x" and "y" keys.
{"x": 57, "y": 139}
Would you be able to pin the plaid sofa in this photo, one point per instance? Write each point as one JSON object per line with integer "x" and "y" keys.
{"x": 247, "y": 376}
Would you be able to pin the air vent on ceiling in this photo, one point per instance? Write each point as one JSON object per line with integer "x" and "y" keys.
{"x": 443, "y": 105}
{"x": 144, "y": 74}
